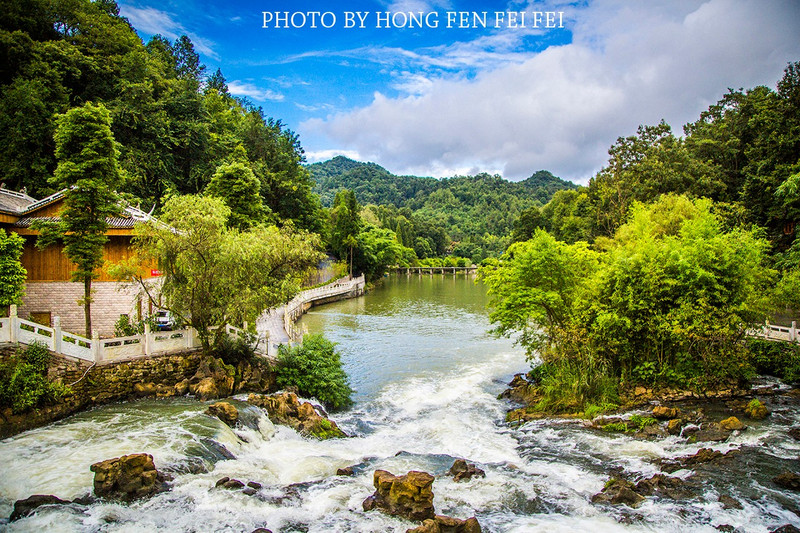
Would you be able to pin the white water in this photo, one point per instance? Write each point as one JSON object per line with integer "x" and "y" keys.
{"x": 427, "y": 395}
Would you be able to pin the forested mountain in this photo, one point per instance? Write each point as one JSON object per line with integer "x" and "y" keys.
{"x": 470, "y": 216}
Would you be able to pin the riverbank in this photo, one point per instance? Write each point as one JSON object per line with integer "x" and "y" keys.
{"x": 165, "y": 376}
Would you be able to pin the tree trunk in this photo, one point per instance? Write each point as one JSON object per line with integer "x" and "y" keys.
{"x": 87, "y": 305}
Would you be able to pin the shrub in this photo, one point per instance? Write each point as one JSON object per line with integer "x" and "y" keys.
{"x": 232, "y": 350}
{"x": 23, "y": 381}
{"x": 315, "y": 368}
{"x": 779, "y": 359}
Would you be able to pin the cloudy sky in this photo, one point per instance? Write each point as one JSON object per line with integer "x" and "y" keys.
{"x": 505, "y": 98}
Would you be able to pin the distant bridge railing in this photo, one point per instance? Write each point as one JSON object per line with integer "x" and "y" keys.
{"x": 771, "y": 332}
{"x": 298, "y": 305}
{"x": 436, "y": 270}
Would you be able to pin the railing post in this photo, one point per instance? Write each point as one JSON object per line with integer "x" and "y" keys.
{"x": 57, "y": 334}
{"x": 147, "y": 339}
{"x": 13, "y": 323}
{"x": 793, "y": 331}
{"x": 97, "y": 348}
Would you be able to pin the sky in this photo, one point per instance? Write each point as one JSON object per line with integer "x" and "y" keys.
{"x": 451, "y": 91}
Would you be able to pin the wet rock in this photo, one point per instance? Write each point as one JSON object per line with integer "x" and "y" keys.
{"x": 756, "y": 410}
{"x": 409, "y": 496}
{"x": 788, "y": 480}
{"x": 285, "y": 408}
{"x": 144, "y": 389}
{"x": 262, "y": 530}
{"x": 26, "y": 507}
{"x": 729, "y": 503}
{"x": 182, "y": 387}
{"x": 254, "y": 485}
{"x": 128, "y": 477}
{"x": 788, "y": 528}
{"x": 522, "y": 391}
{"x": 446, "y": 524}
{"x": 228, "y": 483}
{"x": 704, "y": 455}
{"x": 464, "y": 471}
{"x": 225, "y": 412}
{"x": 731, "y": 424}
{"x": 347, "y": 471}
{"x": 619, "y": 491}
{"x": 712, "y": 432}
{"x": 213, "y": 379}
{"x": 664, "y": 487}
{"x": 662, "y": 412}
{"x": 795, "y": 432}
{"x": 249, "y": 491}
{"x": 675, "y": 426}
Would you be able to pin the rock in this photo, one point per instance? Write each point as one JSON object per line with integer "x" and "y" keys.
{"x": 213, "y": 379}
{"x": 446, "y": 524}
{"x": 182, "y": 387}
{"x": 619, "y": 491}
{"x": 756, "y": 410}
{"x": 285, "y": 408}
{"x": 409, "y": 496}
{"x": 729, "y": 503}
{"x": 26, "y": 507}
{"x": 347, "y": 471}
{"x": 665, "y": 413}
{"x": 788, "y": 480}
{"x": 128, "y": 477}
{"x": 249, "y": 491}
{"x": 675, "y": 426}
{"x": 731, "y": 424}
{"x": 144, "y": 389}
{"x": 704, "y": 455}
{"x": 225, "y": 412}
{"x": 664, "y": 487}
{"x": 712, "y": 432}
{"x": 262, "y": 530}
{"x": 463, "y": 471}
{"x": 795, "y": 432}
{"x": 788, "y": 528}
{"x": 206, "y": 389}
{"x": 228, "y": 483}
{"x": 254, "y": 485}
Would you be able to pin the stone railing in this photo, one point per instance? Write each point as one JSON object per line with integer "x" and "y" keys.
{"x": 298, "y": 305}
{"x": 96, "y": 350}
{"x": 771, "y": 332}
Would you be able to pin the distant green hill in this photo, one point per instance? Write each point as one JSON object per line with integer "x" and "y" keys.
{"x": 470, "y": 216}
{"x": 373, "y": 184}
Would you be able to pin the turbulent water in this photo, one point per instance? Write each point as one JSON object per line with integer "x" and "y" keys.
{"x": 426, "y": 376}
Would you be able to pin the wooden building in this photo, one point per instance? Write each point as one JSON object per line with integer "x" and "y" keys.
{"x": 49, "y": 291}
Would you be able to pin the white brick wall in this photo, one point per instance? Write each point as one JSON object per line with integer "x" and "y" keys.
{"x": 110, "y": 299}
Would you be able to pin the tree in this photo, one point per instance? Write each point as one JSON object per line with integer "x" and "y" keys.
{"x": 236, "y": 184}
{"x": 87, "y": 171}
{"x": 12, "y": 273}
{"x": 212, "y": 275}
{"x": 345, "y": 225}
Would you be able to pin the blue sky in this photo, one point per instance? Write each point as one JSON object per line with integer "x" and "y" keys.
{"x": 441, "y": 101}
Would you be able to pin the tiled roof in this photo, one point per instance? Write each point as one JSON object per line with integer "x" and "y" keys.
{"x": 14, "y": 202}
{"x": 113, "y": 222}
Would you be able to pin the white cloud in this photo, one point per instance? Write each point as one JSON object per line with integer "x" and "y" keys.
{"x": 324, "y": 155}
{"x": 153, "y": 21}
{"x": 560, "y": 109}
{"x": 240, "y": 88}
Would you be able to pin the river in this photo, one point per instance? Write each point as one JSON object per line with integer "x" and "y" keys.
{"x": 427, "y": 376}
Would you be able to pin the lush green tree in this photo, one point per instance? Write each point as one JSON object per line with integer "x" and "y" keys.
{"x": 87, "y": 172}
{"x": 375, "y": 249}
{"x": 212, "y": 275}
{"x": 236, "y": 184}
{"x": 668, "y": 304}
{"x": 346, "y": 224}
{"x": 315, "y": 368}
{"x": 12, "y": 273}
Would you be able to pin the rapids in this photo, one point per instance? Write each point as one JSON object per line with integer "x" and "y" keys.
{"x": 427, "y": 376}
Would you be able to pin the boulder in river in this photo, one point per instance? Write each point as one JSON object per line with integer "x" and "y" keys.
{"x": 756, "y": 410}
{"x": 285, "y": 408}
{"x": 409, "y": 496}
{"x": 26, "y": 507}
{"x": 446, "y": 524}
{"x": 731, "y": 424}
{"x": 663, "y": 412}
{"x": 788, "y": 480}
{"x": 213, "y": 379}
{"x": 225, "y": 412}
{"x": 464, "y": 471}
{"x": 619, "y": 491}
{"x": 128, "y": 477}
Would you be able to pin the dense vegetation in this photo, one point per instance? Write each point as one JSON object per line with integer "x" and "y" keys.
{"x": 653, "y": 273}
{"x": 467, "y": 216}
{"x": 315, "y": 369}
{"x": 23, "y": 381}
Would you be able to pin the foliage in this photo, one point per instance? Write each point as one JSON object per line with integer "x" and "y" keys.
{"x": 174, "y": 126}
{"x": 124, "y": 327}
{"x": 23, "y": 381}
{"x": 233, "y": 351}
{"x": 779, "y": 359}
{"x": 236, "y": 184}
{"x": 87, "y": 172}
{"x": 12, "y": 273}
{"x": 315, "y": 368}
{"x": 668, "y": 303}
{"x": 213, "y": 275}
